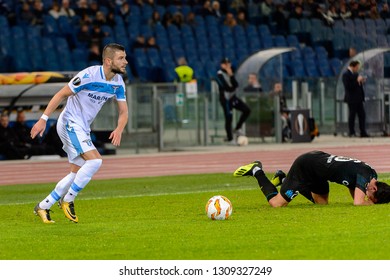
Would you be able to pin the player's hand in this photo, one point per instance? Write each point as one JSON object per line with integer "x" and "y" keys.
{"x": 38, "y": 128}
{"x": 115, "y": 137}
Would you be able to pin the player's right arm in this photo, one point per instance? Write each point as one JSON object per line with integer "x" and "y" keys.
{"x": 359, "y": 198}
{"x": 40, "y": 125}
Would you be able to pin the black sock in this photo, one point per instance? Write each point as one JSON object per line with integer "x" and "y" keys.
{"x": 268, "y": 189}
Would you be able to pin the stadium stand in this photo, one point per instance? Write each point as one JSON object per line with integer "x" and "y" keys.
{"x": 54, "y": 46}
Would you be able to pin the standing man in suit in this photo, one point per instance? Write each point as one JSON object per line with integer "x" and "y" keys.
{"x": 354, "y": 97}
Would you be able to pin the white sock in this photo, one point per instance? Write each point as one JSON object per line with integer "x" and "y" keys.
{"x": 83, "y": 176}
{"x": 255, "y": 170}
{"x": 60, "y": 189}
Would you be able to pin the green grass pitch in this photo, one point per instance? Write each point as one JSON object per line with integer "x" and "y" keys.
{"x": 163, "y": 218}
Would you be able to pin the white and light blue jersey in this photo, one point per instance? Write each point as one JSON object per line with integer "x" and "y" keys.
{"x": 91, "y": 91}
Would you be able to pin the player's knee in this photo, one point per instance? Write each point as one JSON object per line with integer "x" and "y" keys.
{"x": 92, "y": 166}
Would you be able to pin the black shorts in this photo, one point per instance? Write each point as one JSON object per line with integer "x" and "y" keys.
{"x": 303, "y": 178}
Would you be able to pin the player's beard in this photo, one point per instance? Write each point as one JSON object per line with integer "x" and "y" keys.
{"x": 117, "y": 70}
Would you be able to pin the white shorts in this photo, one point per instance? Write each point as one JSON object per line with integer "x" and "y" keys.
{"x": 75, "y": 141}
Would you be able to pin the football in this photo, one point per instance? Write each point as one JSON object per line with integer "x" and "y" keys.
{"x": 219, "y": 208}
{"x": 242, "y": 140}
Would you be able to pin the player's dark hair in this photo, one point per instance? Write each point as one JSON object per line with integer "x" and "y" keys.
{"x": 382, "y": 195}
{"x": 354, "y": 63}
{"x": 110, "y": 49}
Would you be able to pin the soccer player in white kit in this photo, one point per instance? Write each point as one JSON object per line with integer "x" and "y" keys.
{"x": 86, "y": 93}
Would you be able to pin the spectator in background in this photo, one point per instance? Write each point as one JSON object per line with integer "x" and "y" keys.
{"x": 184, "y": 72}
{"x": 191, "y": 19}
{"x": 139, "y": 43}
{"x": 344, "y": 12}
{"x": 139, "y": 3}
{"x": 230, "y": 20}
{"x": 374, "y": 14}
{"x": 6, "y": 11}
{"x": 297, "y": 13}
{"x": 385, "y": 11}
{"x": 151, "y": 43}
{"x": 100, "y": 19}
{"x": 253, "y": 84}
{"x": 94, "y": 8}
{"x": 10, "y": 144}
{"x": 155, "y": 19}
{"x": 178, "y": 20}
{"x": 236, "y": 6}
{"x": 84, "y": 34}
{"x": 267, "y": 8}
{"x": 66, "y": 10}
{"x": 38, "y": 12}
{"x": 241, "y": 19}
{"x": 94, "y": 55}
{"x": 82, "y": 8}
{"x": 22, "y": 131}
{"x": 55, "y": 10}
{"x": 364, "y": 8}
{"x": 26, "y": 16}
{"x": 150, "y": 3}
{"x": 280, "y": 20}
{"x": 125, "y": 12}
{"x": 97, "y": 35}
{"x": 206, "y": 10}
{"x": 110, "y": 19}
{"x": 216, "y": 9}
{"x": 167, "y": 19}
{"x": 354, "y": 97}
{"x": 284, "y": 111}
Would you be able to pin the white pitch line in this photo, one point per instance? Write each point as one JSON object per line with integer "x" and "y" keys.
{"x": 135, "y": 195}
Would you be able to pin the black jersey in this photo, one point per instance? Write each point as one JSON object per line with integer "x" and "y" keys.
{"x": 311, "y": 172}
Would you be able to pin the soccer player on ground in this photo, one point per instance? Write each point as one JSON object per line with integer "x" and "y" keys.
{"x": 309, "y": 176}
{"x": 86, "y": 93}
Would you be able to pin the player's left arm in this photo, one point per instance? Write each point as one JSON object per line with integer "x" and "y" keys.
{"x": 116, "y": 135}
{"x": 359, "y": 198}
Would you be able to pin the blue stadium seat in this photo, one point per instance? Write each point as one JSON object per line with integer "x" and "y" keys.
{"x": 264, "y": 30}
{"x": 294, "y": 26}
{"x": 292, "y": 41}
{"x": 166, "y": 55}
{"x": 308, "y": 53}
{"x": 311, "y": 68}
{"x": 324, "y": 68}
{"x": 141, "y": 65}
{"x": 204, "y": 53}
{"x": 254, "y": 45}
{"x": 51, "y": 28}
{"x": 267, "y": 42}
{"x": 3, "y": 22}
{"x": 146, "y": 13}
{"x": 381, "y": 41}
{"x": 321, "y": 52}
{"x": 160, "y": 9}
{"x": 298, "y": 69}
{"x": 335, "y": 64}
{"x": 79, "y": 58}
{"x": 65, "y": 25}
{"x": 185, "y": 10}
{"x": 198, "y": 68}
{"x": 381, "y": 27}
{"x": 349, "y": 25}
{"x": 251, "y": 32}
{"x": 280, "y": 41}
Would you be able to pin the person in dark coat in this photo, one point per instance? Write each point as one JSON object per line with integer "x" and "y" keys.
{"x": 354, "y": 97}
